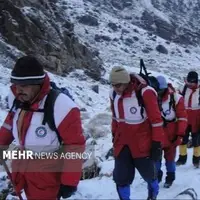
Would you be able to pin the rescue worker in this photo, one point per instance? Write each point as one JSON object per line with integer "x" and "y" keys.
{"x": 137, "y": 129}
{"x": 191, "y": 93}
{"x": 29, "y": 91}
{"x": 175, "y": 123}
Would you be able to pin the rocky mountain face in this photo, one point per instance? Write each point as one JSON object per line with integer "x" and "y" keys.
{"x": 41, "y": 28}
{"x": 164, "y": 33}
{"x": 174, "y": 20}
{"x": 86, "y": 34}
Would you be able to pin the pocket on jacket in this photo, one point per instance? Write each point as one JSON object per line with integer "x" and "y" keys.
{"x": 143, "y": 141}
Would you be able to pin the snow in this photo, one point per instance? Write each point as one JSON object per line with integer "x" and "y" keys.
{"x": 103, "y": 187}
{"x": 148, "y": 5}
{"x": 96, "y": 120}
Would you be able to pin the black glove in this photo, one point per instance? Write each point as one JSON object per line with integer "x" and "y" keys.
{"x": 66, "y": 191}
{"x": 156, "y": 151}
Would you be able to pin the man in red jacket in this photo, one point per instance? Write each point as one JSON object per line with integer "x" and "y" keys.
{"x": 175, "y": 123}
{"x": 191, "y": 93}
{"x": 137, "y": 129}
{"x": 24, "y": 124}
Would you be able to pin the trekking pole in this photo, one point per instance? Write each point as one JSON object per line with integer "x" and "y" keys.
{"x": 10, "y": 177}
{"x": 142, "y": 66}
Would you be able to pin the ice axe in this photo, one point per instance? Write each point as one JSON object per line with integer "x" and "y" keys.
{"x": 10, "y": 177}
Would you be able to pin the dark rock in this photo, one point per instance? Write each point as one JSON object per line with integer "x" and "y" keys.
{"x": 187, "y": 51}
{"x": 135, "y": 38}
{"x": 128, "y": 41}
{"x": 33, "y": 27}
{"x": 115, "y": 40}
{"x": 88, "y": 20}
{"x": 147, "y": 50}
{"x": 135, "y": 30}
{"x": 113, "y": 26}
{"x": 95, "y": 88}
{"x": 125, "y": 31}
{"x": 90, "y": 171}
{"x": 126, "y": 3}
{"x": 100, "y": 38}
{"x": 161, "y": 49}
{"x": 117, "y": 4}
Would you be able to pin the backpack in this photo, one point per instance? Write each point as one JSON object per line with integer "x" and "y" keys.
{"x": 62, "y": 90}
{"x": 48, "y": 109}
{"x": 151, "y": 81}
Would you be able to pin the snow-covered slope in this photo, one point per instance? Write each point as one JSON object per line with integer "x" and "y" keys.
{"x": 122, "y": 42}
{"x": 103, "y": 187}
{"x": 120, "y": 39}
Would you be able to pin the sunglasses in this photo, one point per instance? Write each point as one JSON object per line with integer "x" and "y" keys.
{"x": 118, "y": 85}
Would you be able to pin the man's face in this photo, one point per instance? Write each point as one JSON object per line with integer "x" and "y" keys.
{"x": 26, "y": 93}
{"x": 119, "y": 88}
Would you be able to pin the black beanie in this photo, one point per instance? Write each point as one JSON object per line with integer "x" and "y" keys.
{"x": 192, "y": 77}
{"x": 27, "y": 71}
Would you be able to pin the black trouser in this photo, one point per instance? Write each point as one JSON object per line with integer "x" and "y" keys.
{"x": 124, "y": 170}
{"x": 195, "y": 137}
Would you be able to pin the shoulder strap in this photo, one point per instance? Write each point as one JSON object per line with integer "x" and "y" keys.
{"x": 114, "y": 95}
{"x": 140, "y": 102}
{"x": 49, "y": 111}
{"x": 172, "y": 103}
{"x": 184, "y": 90}
{"x": 199, "y": 96}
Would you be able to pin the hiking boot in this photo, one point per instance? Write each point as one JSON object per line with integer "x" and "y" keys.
{"x": 151, "y": 198}
{"x": 181, "y": 160}
{"x": 195, "y": 161}
{"x": 169, "y": 179}
{"x": 167, "y": 184}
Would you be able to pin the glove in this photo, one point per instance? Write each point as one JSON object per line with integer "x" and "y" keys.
{"x": 66, "y": 191}
{"x": 177, "y": 141}
{"x": 156, "y": 151}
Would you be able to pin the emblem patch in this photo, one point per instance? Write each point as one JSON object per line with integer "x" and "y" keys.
{"x": 41, "y": 131}
{"x": 167, "y": 112}
{"x": 133, "y": 110}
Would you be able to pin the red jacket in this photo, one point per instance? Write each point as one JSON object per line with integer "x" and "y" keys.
{"x": 191, "y": 101}
{"x": 70, "y": 130}
{"x": 175, "y": 115}
{"x": 128, "y": 125}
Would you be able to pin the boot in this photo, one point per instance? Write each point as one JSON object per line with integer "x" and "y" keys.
{"x": 181, "y": 160}
{"x": 183, "y": 155}
{"x": 151, "y": 198}
{"x": 196, "y": 157}
{"x": 169, "y": 179}
{"x": 153, "y": 188}
{"x": 195, "y": 161}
